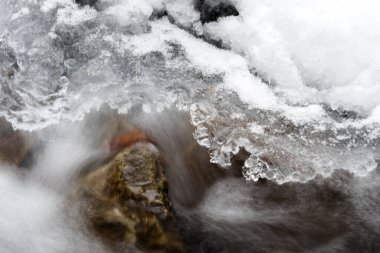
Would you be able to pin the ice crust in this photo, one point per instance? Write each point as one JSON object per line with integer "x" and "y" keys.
{"x": 295, "y": 84}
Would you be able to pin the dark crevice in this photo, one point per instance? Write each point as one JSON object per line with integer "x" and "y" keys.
{"x": 212, "y": 10}
{"x": 340, "y": 114}
{"x": 157, "y": 14}
{"x": 86, "y": 2}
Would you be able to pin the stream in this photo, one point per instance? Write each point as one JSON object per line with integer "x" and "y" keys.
{"x": 267, "y": 115}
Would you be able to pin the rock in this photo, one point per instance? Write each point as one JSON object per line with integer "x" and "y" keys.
{"x": 211, "y": 10}
{"x": 15, "y": 146}
{"x": 129, "y": 138}
{"x": 126, "y": 201}
{"x": 86, "y": 2}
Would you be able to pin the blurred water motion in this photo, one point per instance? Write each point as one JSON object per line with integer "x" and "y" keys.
{"x": 216, "y": 210}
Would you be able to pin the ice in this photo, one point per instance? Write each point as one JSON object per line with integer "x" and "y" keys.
{"x": 131, "y": 13}
{"x": 313, "y": 51}
{"x": 71, "y": 15}
{"x": 5, "y": 14}
{"x": 183, "y": 12}
{"x": 293, "y": 84}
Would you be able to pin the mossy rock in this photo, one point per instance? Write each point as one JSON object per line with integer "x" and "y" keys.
{"x": 126, "y": 201}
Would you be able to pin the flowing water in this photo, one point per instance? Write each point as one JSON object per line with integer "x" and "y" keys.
{"x": 282, "y": 101}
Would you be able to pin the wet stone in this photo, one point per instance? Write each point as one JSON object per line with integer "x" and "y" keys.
{"x": 126, "y": 201}
{"x": 15, "y": 145}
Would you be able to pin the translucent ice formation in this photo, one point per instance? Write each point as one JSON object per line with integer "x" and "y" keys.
{"x": 294, "y": 84}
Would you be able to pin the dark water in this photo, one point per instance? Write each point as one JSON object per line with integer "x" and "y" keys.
{"x": 219, "y": 211}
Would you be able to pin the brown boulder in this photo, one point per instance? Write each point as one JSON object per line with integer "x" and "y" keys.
{"x": 126, "y": 201}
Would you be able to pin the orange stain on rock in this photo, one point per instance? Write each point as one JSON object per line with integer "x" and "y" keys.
{"x": 129, "y": 138}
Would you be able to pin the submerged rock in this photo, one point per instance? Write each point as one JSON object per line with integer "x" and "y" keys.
{"x": 126, "y": 201}
{"x": 15, "y": 145}
{"x": 211, "y": 10}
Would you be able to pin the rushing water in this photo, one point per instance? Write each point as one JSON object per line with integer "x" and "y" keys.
{"x": 287, "y": 92}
